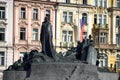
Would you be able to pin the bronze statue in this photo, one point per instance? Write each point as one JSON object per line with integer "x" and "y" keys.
{"x": 46, "y": 39}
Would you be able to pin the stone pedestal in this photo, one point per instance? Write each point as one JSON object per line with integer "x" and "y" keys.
{"x": 14, "y": 75}
{"x": 58, "y": 71}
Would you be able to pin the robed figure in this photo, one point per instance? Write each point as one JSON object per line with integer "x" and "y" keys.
{"x": 46, "y": 39}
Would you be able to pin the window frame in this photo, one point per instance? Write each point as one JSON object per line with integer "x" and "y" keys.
{"x": 2, "y": 57}
{"x": 35, "y": 14}
{"x": 103, "y": 38}
{"x": 2, "y": 34}
{"x": 34, "y": 34}
{"x": 22, "y": 33}
{"x": 23, "y": 13}
{"x": 67, "y": 17}
{"x": 3, "y": 12}
{"x": 84, "y": 17}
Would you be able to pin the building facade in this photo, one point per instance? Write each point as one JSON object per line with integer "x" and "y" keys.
{"x": 102, "y": 21}
{"x": 114, "y": 22}
{"x": 69, "y": 15}
{"x": 6, "y": 34}
{"x": 28, "y": 18}
{"x": 20, "y": 33}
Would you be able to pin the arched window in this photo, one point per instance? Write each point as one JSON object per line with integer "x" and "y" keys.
{"x": 84, "y": 17}
{"x": 117, "y": 21}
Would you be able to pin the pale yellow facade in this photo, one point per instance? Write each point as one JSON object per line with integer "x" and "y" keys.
{"x": 101, "y": 24}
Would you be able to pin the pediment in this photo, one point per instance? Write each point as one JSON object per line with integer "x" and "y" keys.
{"x": 35, "y": 24}
{"x": 21, "y": 23}
{"x": 2, "y": 24}
{"x": 67, "y": 27}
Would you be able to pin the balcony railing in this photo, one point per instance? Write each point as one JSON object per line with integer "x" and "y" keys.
{"x": 101, "y": 26}
{"x": 106, "y": 46}
{"x": 66, "y": 44}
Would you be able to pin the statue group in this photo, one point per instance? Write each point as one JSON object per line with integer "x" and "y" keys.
{"x": 84, "y": 52}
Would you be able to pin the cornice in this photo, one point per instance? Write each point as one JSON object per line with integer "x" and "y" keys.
{"x": 74, "y": 5}
{"x": 36, "y": 1}
{"x": 113, "y": 9}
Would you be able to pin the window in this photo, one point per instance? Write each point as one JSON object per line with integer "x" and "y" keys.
{"x": 103, "y": 37}
{"x": 95, "y": 2}
{"x": 64, "y": 16}
{"x": 64, "y": 36}
{"x": 100, "y": 19}
{"x": 22, "y": 33}
{"x": 2, "y": 12}
{"x": 84, "y": 17}
{"x": 67, "y": 1}
{"x": 100, "y": 3}
{"x": 35, "y": 34}
{"x": 117, "y": 21}
{"x": 70, "y": 17}
{"x": 2, "y": 34}
{"x": 95, "y": 19}
{"x": 23, "y": 13}
{"x": 48, "y": 14}
{"x": 104, "y": 19}
{"x": 118, "y": 61}
{"x": 67, "y": 38}
{"x": 118, "y": 39}
{"x": 105, "y": 3}
{"x": 103, "y": 60}
{"x": 118, "y": 3}
{"x": 2, "y": 57}
{"x": 35, "y": 14}
{"x": 70, "y": 36}
{"x": 84, "y": 1}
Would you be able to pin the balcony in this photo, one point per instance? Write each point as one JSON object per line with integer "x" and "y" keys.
{"x": 100, "y": 28}
{"x": 66, "y": 44}
{"x": 106, "y": 46}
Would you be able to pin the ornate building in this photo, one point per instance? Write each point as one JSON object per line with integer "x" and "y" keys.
{"x": 6, "y": 34}
{"x": 102, "y": 21}
{"x": 28, "y": 18}
{"x": 69, "y": 14}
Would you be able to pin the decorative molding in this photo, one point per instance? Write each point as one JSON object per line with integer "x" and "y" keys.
{"x": 3, "y": 24}
{"x": 23, "y": 23}
{"x": 2, "y": 3}
{"x": 16, "y": 4}
{"x": 23, "y": 4}
{"x": 35, "y": 23}
{"x": 35, "y": 5}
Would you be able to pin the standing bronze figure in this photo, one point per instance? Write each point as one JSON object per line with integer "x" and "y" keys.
{"x": 46, "y": 39}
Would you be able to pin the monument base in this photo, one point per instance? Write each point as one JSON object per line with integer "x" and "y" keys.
{"x": 56, "y": 71}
